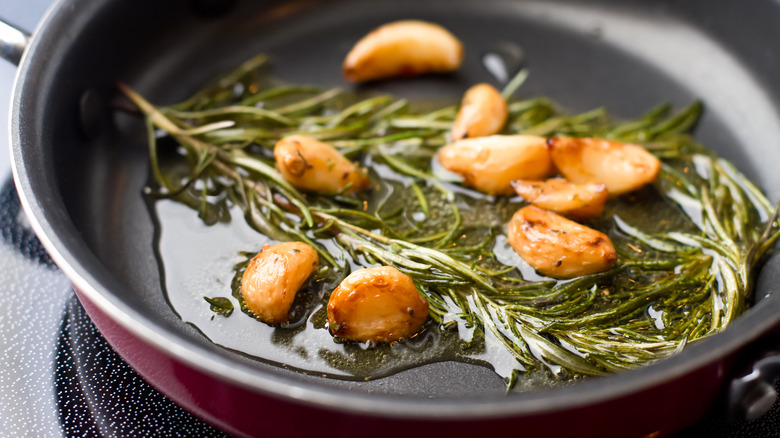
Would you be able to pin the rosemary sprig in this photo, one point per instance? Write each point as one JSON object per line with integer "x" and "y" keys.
{"x": 671, "y": 285}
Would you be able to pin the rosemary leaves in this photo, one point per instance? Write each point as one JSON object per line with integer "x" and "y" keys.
{"x": 682, "y": 273}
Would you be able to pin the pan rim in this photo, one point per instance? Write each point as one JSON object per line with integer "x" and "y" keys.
{"x": 755, "y": 322}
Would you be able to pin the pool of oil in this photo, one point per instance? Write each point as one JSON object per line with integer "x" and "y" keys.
{"x": 198, "y": 260}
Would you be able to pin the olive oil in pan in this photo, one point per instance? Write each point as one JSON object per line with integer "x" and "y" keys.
{"x": 503, "y": 61}
{"x": 198, "y": 260}
{"x": 201, "y": 260}
{"x": 684, "y": 243}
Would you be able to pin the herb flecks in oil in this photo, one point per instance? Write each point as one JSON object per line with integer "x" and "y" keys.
{"x": 220, "y": 305}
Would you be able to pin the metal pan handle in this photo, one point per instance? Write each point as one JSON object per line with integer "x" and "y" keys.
{"x": 13, "y": 41}
{"x": 753, "y": 394}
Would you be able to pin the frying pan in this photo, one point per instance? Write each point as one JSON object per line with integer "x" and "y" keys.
{"x": 80, "y": 168}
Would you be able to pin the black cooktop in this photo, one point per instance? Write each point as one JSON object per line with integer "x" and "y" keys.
{"x": 60, "y": 378}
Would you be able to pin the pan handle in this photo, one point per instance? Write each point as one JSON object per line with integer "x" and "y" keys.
{"x": 13, "y": 41}
{"x": 753, "y": 394}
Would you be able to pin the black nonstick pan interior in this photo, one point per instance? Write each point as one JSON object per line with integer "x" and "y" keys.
{"x": 627, "y": 56}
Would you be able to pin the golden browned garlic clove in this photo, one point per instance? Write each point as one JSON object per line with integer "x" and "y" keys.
{"x": 483, "y": 112}
{"x": 578, "y": 201}
{"x": 403, "y": 48}
{"x": 314, "y": 166}
{"x": 378, "y": 304}
{"x": 558, "y": 247}
{"x": 490, "y": 164}
{"x": 274, "y": 276}
{"x": 622, "y": 167}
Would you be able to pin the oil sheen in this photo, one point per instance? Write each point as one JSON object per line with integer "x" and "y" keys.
{"x": 198, "y": 260}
